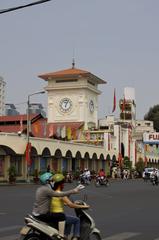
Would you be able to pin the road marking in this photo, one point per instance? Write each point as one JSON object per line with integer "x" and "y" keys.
{"x": 10, "y": 237}
{"x": 10, "y": 228}
{"x": 122, "y": 236}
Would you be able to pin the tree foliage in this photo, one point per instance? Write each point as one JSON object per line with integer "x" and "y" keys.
{"x": 153, "y": 115}
{"x": 127, "y": 163}
{"x": 140, "y": 166}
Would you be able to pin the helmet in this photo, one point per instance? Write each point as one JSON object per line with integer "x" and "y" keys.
{"x": 45, "y": 177}
{"x": 58, "y": 177}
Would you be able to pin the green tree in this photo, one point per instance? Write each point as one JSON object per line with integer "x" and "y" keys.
{"x": 140, "y": 166}
{"x": 127, "y": 163}
{"x": 153, "y": 115}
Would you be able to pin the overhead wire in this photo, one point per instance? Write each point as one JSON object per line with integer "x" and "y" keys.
{"x": 23, "y": 6}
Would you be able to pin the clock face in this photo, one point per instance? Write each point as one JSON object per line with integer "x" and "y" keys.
{"x": 91, "y": 106}
{"x": 65, "y": 105}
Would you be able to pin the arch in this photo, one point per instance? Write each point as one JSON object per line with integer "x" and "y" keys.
{"x": 58, "y": 153}
{"x": 101, "y": 157}
{"x": 108, "y": 157}
{"x": 56, "y": 161}
{"x": 46, "y": 152}
{"x": 5, "y": 150}
{"x": 94, "y": 161}
{"x": 45, "y": 160}
{"x": 102, "y": 162}
{"x": 84, "y": 161}
{"x": 69, "y": 154}
{"x": 113, "y": 161}
{"x": 34, "y": 160}
{"x": 78, "y": 155}
{"x": 67, "y": 161}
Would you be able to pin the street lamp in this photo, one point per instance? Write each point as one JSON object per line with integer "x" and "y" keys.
{"x": 28, "y": 131}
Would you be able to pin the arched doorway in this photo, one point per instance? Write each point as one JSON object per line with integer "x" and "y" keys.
{"x": 56, "y": 162}
{"x": 45, "y": 160}
{"x": 94, "y": 160}
{"x": 102, "y": 162}
{"x": 67, "y": 161}
{"x": 78, "y": 158}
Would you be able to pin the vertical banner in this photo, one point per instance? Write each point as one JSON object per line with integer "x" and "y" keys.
{"x": 28, "y": 154}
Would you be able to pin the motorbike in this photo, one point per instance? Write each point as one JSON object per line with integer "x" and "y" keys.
{"x": 101, "y": 180}
{"x": 38, "y": 230}
{"x": 69, "y": 177}
{"x": 84, "y": 179}
{"x": 154, "y": 180}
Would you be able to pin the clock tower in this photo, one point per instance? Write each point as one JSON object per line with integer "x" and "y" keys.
{"x": 73, "y": 96}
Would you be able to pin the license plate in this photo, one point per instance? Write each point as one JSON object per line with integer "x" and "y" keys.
{"x": 25, "y": 230}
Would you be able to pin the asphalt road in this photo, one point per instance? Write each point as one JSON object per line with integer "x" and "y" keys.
{"x": 124, "y": 210}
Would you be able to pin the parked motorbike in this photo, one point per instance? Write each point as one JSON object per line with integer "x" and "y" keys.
{"x": 38, "y": 230}
{"x": 101, "y": 180}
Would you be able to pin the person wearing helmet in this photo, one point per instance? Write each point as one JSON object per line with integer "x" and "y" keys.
{"x": 43, "y": 195}
{"x": 57, "y": 209}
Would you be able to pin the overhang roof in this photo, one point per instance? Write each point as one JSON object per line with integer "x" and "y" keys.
{"x": 70, "y": 73}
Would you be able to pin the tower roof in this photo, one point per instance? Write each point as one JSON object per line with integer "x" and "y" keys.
{"x": 70, "y": 73}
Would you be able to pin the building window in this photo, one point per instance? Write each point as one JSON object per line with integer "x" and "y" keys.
{"x": 66, "y": 81}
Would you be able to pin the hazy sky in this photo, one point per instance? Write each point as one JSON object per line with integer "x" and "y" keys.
{"x": 117, "y": 40}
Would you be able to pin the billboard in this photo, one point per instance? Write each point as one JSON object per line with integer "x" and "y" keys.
{"x": 151, "y": 138}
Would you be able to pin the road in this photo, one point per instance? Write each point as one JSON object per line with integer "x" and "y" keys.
{"x": 124, "y": 210}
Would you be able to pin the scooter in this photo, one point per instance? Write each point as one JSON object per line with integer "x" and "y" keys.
{"x": 38, "y": 230}
{"x": 84, "y": 180}
{"x": 101, "y": 180}
{"x": 154, "y": 180}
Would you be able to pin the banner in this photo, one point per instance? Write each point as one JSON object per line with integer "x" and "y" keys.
{"x": 28, "y": 154}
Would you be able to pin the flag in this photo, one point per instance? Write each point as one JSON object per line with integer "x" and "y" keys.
{"x": 63, "y": 132}
{"x": 28, "y": 153}
{"x": 68, "y": 133}
{"x": 123, "y": 105}
{"x": 58, "y": 131}
{"x": 114, "y": 101}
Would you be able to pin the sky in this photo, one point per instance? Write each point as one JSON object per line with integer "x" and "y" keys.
{"x": 116, "y": 40}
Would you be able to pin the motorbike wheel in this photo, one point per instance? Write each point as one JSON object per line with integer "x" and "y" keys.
{"x": 97, "y": 184}
{"x": 95, "y": 236}
{"x": 32, "y": 236}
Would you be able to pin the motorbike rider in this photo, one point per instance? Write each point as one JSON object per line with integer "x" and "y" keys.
{"x": 101, "y": 173}
{"x": 86, "y": 174}
{"x": 43, "y": 195}
{"x": 154, "y": 175}
{"x": 57, "y": 208}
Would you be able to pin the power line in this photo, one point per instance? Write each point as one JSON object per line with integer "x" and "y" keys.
{"x": 23, "y": 6}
